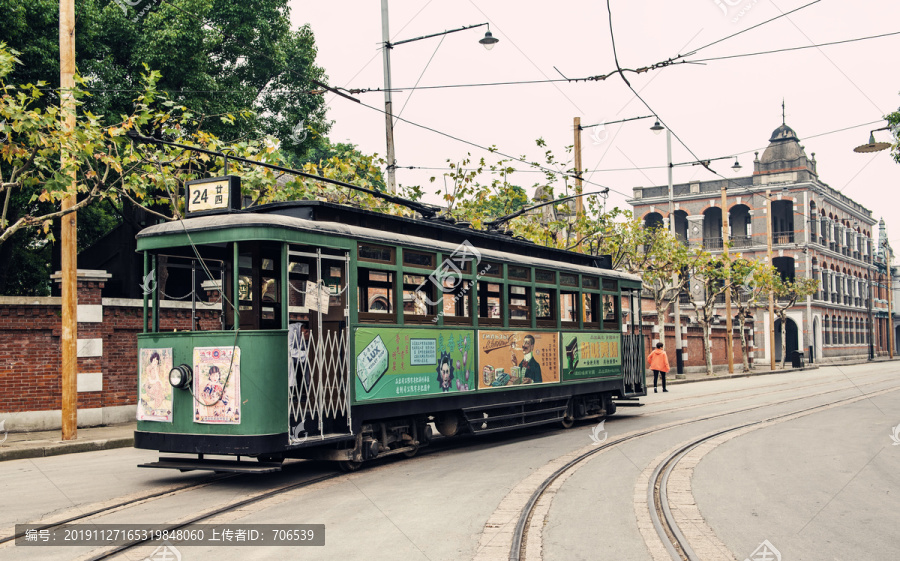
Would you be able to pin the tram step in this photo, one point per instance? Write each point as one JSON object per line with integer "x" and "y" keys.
{"x": 218, "y": 466}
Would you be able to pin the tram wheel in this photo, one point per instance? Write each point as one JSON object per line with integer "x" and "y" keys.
{"x": 410, "y": 452}
{"x": 567, "y": 422}
{"x": 349, "y": 466}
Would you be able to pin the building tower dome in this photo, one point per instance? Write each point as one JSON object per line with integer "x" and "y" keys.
{"x": 784, "y": 154}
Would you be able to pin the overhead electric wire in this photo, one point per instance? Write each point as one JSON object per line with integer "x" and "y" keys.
{"x": 697, "y": 159}
{"x": 800, "y": 48}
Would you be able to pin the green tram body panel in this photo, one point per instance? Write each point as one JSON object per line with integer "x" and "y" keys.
{"x": 264, "y": 353}
{"x": 263, "y": 381}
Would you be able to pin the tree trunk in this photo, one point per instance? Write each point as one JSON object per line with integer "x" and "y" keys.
{"x": 741, "y": 322}
{"x": 707, "y": 348}
{"x": 661, "y": 322}
{"x": 783, "y": 340}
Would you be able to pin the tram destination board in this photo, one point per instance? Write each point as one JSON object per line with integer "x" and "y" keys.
{"x": 35, "y": 535}
{"x": 212, "y": 195}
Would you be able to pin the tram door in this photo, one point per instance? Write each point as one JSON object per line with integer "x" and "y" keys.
{"x": 318, "y": 331}
{"x": 632, "y": 347}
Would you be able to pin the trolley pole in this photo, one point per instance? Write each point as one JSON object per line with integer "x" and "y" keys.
{"x": 69, "y": 331}
{"x": 729, "y": 339}
{"x": 771, "y": 295}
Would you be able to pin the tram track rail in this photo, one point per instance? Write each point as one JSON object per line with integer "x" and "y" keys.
{"x": 519, "y": 538}
{"x": 125, "y": 504}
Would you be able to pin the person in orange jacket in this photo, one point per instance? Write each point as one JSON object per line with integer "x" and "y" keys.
{"x": 659, "y": 364}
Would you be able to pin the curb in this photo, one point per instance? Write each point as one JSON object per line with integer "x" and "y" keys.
{"x": 59, "y": 448}
{"x": 752, "y": 373}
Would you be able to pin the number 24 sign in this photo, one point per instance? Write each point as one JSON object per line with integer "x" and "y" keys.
{"x": 212, "y": 195}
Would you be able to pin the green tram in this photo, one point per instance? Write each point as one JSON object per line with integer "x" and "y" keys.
{"x": 335, "y": 333}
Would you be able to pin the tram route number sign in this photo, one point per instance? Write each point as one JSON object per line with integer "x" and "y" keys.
{"x": 212, "y": 195}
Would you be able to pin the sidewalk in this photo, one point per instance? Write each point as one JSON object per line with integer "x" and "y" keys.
{"x": 37, "y": 444}
{"x": 19, "y": 445}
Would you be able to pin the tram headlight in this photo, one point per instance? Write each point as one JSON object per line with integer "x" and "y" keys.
{"x": 180, "y": 376}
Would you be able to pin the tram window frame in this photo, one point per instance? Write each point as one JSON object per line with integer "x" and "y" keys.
{"x": 252, "y": 313}
{"x": 417, "y": 280}
{"x": 611, "y": 324}
{"x": 548, "y": 320}
{"x": 431, "y": 257}
{"x": 390, "y": 251}
{"x": 576, "y": 302}
{"x": 483, "y": 303}
{"x": 528, "y": 307}
{"x": 491, "y": 269}
{"x": 590, "y": 282}
{"x": 364, "y": 283}
{"x": 568, "y": 279}
{"x": 461, "y": 296}
{"x": 538, "y": 274}
{"x": 517, "y": 273}
{"x": 594, "y": 307}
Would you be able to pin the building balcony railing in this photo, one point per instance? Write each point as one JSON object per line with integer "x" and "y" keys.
{"x": 712, "y": 243}
{"x": 783, "y": 237}
{"x": 741, "y": 241}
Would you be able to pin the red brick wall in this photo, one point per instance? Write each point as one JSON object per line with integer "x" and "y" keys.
{"x": 30, "y": 357}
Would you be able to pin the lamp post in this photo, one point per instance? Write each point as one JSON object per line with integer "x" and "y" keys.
{"x": 873, "y": 146}
{"x": 488, "y": 41}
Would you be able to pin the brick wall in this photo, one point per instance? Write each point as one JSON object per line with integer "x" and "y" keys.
{"x": 30, "y": 357}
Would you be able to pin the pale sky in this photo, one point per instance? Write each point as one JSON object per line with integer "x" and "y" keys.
{"x": 720, "y": 108}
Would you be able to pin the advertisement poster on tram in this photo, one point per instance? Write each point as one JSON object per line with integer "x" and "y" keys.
{"x": 397, "y": 363}
{"x": 514, "y": 358}
{"x": 154, "y": 390}
{"x": 217, "y": 385}
{"x": 591, "y": 355}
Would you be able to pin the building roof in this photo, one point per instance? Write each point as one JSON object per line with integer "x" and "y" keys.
{"x": 784, "y": 146}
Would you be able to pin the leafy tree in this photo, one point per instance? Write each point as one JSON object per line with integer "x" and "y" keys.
{"x": 786, "y": 293}
{"x": 748, "y": 292}
{"x": 711, "y": 273}
{"x": 664, "y": 272}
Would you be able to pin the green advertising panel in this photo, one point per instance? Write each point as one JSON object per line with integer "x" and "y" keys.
{"x": 591, "y": 355}
{"x": 396, "y": 363}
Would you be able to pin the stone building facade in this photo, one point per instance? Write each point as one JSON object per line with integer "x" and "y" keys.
{"x": 817, "y": 232}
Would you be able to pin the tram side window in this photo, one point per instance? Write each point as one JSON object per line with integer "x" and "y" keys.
{"x": 591, "y": 309}
{"x": 568, "y": 308}
{"x": 457, "y": 301}
{"x": 519, "y": 305}
{"x": 545, "y": 310}
{"x": 610, "y": 311}
{"x": 490, "y": 303}
{"x": 418, "y": 299}
{"x": 376, "y": 296}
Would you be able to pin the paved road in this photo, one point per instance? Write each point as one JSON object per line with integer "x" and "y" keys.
{"x": 816, "y": 487}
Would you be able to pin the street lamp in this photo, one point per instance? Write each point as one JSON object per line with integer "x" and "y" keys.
{"x": 873, "y": 146}
{"x": 488, "y": 41}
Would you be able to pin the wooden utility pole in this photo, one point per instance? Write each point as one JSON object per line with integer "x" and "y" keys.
{"x": 729, "y": 343}
{"x": 771, "y": 294}
{"x": 579, "y": 204}
{"x": 69, "y": 247}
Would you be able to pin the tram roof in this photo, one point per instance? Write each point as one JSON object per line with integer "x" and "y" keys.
{"x": 286, "y": 216}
